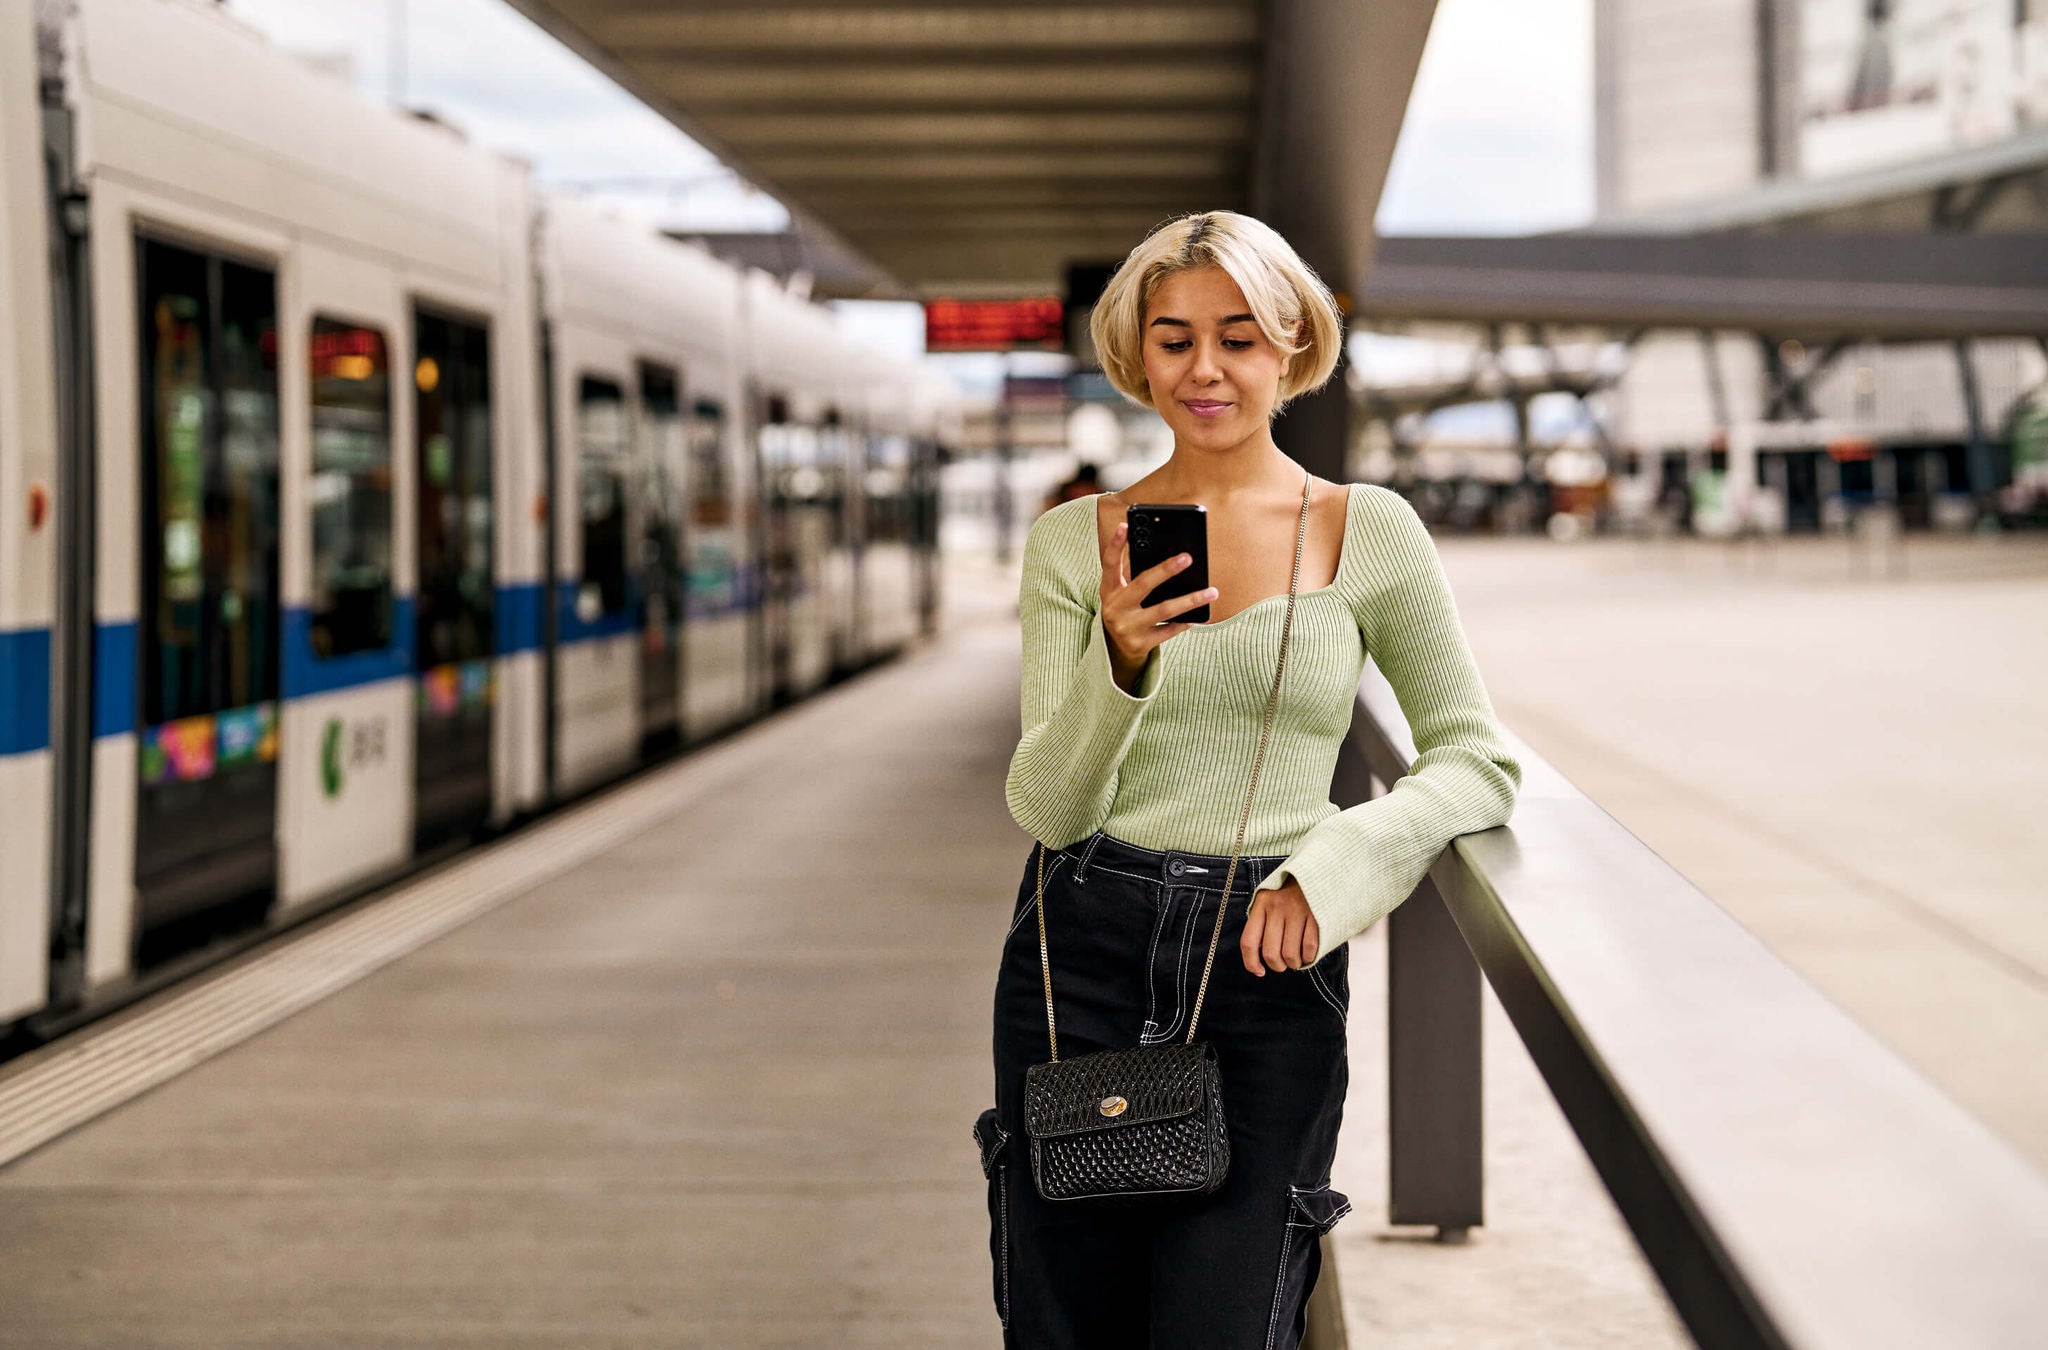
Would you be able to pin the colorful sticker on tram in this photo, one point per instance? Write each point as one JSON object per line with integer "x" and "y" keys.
{"x": 195, "y": 748}
{"x": 479, "y": 682}
{"x": 248, "y": 735}
{"x": 179, "y": 752}
{"x": 446, "y": 691}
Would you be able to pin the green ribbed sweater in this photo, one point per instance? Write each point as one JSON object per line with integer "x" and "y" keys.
{"x": 1166, "y": 767}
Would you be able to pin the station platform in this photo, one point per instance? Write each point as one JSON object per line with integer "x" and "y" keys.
{"x": 694, "y": 1063}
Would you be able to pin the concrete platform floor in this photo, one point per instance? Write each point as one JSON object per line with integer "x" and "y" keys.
{"x": 1853, "y": 764}
{"x": 712, "y": 1089}
{"x": 704, "y": 1090}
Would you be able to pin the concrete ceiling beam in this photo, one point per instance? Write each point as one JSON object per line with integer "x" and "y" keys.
{"x": 770, "y": 133}
{"x": 1022, "y": 194}
{"x": 1164, "y": 164}
{"x": 924, "y": 224}
{"x": 891, "y": 30}
{"x": 1091, "y": 85}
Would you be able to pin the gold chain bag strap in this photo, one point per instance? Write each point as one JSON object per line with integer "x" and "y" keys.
{"x": 1145, "y": 1124}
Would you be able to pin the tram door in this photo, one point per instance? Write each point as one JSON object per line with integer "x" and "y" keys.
{"x": 778, "y": 567}
{"x": 208, "y": 629}
{"x": 660, "y": 557}
{"x": 456, "y": 608}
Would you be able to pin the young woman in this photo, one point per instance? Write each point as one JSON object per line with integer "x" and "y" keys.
{"x": 1140, "y": 730}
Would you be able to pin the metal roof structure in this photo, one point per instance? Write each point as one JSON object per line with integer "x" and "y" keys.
{"x": 966, "y": 148}
{"x": 1791, "y": 284}
{"x": 1970, "y": 188}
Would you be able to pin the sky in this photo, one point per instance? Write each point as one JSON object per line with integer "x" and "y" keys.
{"x": 1498, "y": 137}
{"x": 1499, "y": 133}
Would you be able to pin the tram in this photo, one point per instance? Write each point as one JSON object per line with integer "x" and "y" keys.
{"x": 358, "y": 500}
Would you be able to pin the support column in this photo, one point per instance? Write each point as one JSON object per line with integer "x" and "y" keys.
{"x": 1316, "y": 429}
{"x": 1977, "y": 461}
{"x": 1005, "y": 508}
{"x": 1334, "y": 88}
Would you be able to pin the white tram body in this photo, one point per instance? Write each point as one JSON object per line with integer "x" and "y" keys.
{"x": 796, "y": 358}
{"x": 263, "y": 250}
{"x": 887, "y": 598}
{"x": 644, "y": 350}
{"x": 403, "y": 504}
{"x": 28, "y": 535}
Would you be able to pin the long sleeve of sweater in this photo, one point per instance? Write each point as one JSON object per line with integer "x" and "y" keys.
{"x": 1357, "y": 865}
{"x": 1078, "y": 721}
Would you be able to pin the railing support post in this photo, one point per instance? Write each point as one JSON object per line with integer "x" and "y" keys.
{"x": 1433, "y": 1055}
{"x": 1433, "y": 1062}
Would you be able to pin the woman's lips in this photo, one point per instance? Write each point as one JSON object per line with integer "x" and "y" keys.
{"x": 1203, "y": 407}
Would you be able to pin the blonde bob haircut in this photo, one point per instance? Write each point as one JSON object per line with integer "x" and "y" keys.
{"x": 1284, "y": 293}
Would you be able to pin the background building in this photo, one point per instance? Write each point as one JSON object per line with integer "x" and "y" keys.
{"x": 1826, "y": 117}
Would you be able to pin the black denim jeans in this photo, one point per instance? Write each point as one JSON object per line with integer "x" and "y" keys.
{"x": 1128, "y": 929}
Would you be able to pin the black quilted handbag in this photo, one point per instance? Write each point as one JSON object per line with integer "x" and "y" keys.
{"x": 1142, "y": 1125}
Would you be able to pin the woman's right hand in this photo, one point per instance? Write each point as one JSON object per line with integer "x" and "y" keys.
{"x": 1132, "y": 627}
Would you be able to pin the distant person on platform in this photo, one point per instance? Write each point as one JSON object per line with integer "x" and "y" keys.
{"x": 1085, "y": 481}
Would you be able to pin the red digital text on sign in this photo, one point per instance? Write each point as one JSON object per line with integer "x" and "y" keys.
{"x": 993, "y": 325}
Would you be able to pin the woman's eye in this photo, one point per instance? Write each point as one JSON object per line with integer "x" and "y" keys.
{"x": 1175, "y": 346}
{"x": 1236, "y": 344}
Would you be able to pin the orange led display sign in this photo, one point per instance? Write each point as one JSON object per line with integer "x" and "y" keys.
{"x": 994, "y": 325}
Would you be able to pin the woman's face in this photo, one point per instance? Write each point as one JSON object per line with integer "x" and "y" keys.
{"x": 1213, "y": 372}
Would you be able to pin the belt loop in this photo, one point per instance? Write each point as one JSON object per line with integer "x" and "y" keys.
{"x": 1087, "y": 856}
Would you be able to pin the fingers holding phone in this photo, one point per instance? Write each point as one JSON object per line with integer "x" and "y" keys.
{"x": 1169, "y": 594}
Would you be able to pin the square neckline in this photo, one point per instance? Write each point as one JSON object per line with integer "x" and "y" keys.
{"x": 1343, "y": 561}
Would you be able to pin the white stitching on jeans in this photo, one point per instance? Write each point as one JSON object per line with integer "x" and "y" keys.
{"x": 1088, "y": 856}
{"x": 1094, "y": 866}
{"x": 1180, "y": 975}
{"x": 1294, "y": 1193}
{"x": 1099, "y": 866}
{"x": 1025, "y": 913}
{"x": 1186, "y": 926}
{"x": 1003, "y": 1207}
{"x": 1328, "y": 997}
{"x": 1151, "y": 962}
{"x": 1279, "y": 1283}
{"x": 1342, "y": 1210}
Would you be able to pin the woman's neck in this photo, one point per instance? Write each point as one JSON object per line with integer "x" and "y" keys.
{"x": 1254, "y": 466}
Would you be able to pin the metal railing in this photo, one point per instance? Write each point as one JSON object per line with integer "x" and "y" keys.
{"x": 1791, "y": 1179}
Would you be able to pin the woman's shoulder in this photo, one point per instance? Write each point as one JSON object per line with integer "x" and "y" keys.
{"x": 1072, "y": 520}
{"x": 1386, "y": 546}
{"x": 1382, "y": 520}
{"x": 1063, "y": 541}
{"x": 1372, "y": 501}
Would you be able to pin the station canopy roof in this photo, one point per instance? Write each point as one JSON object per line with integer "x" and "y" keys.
{"x": 1953, "y": 245}
{"x": 963, "y": 148}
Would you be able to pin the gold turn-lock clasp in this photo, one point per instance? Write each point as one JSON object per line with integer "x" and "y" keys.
{"x": 1113, "y": 1106}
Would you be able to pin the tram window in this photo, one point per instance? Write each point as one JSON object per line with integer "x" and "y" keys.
{"x": 835, "y": 447}
{"x": 209, "y": 424}
{"x": 661, "y": 459}
{"x": 887, "y": 488}
{"x": 351, "y": 488}
{"x": 710, "y": 493}
{"x": 601, "y": 496}
{"x": 248, "y": 491}
{"x": 452, "y": 390}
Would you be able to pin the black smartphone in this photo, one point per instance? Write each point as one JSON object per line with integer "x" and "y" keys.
{"x": 1159, "y": 530}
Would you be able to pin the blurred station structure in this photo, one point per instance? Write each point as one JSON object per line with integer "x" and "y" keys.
{"x": 1810, "y": 296}
{"x": 389, "y": 547}
{"x": 1813, "y": 287}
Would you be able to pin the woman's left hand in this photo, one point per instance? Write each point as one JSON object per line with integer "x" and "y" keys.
{"x": 1280, "y": 933}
